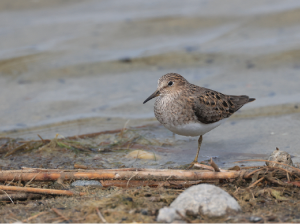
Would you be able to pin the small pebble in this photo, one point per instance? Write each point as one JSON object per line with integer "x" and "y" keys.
{"x": 144, "y": 212}
{"x": 141, "y": 154}
{"x": 179, "y": 221}
{"x": 80, "y": 183}
{"x": 255, "y": 219}
{"x": 128, "y": 199}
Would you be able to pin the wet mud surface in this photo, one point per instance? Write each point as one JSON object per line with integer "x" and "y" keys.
{"x": 150, "y": 146}
{"x": 101, "y": 60}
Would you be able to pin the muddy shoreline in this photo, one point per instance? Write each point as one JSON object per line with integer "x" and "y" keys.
{"x": 262, "y": 201}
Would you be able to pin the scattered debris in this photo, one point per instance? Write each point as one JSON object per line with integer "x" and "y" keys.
{"x": 107, "y": 194}
{"x": 281, "y": 157}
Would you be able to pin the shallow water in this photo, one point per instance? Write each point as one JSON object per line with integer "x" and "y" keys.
{"x": 74, "y": 67}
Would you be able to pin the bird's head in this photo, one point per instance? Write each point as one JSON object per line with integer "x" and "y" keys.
{"x": 168, "y": 84}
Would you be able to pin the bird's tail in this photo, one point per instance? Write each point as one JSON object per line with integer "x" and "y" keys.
{"x": 251, "y": 100}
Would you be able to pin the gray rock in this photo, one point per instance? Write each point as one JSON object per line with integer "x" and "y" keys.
{"x": 80, "y": 183}
{"x": 204, "y": 198}
{"x": 281, "y": 157}
{"x": 166, "y": 214}
{"x": 179, "y": 222}
{"x": 255, "y": 219}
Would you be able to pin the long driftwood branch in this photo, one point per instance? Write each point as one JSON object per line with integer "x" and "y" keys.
{"x": 143, "y": 174}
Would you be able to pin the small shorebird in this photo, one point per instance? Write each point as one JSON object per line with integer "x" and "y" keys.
{"x": 190, "y": 110}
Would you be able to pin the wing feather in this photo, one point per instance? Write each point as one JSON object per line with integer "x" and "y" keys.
{"x": 211, "y": 106}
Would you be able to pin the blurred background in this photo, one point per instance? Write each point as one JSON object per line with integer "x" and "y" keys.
{"x": 80, "y": 66}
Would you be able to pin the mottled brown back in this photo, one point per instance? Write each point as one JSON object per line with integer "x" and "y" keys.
{"x": 211, "y": 106}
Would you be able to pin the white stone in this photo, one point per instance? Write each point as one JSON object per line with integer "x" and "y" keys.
{"x": 211, "y": 200}
{"x": 166, "y": 214}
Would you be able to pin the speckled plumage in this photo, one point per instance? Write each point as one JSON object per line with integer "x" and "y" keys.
{"x": 191, "y": 110}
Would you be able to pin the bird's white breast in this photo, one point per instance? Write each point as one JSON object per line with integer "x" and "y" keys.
{"x": 193, "y": 129}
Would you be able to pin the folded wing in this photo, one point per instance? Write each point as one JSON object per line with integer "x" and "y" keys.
{"x": 212, "y": 106}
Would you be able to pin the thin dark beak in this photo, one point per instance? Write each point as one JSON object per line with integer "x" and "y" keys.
{"x": 155, "y": 94}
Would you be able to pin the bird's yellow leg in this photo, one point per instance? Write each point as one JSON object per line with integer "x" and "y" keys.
{"x": 196, "y": 158}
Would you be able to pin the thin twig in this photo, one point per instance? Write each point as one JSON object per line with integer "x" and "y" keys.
{"x": 59, "y": 214}
{"x": 124, "y": 128}
{"x": 35, "y": 216}
{"x": 204, "y": 166}
{"x": 168, "y": 177}
{"x": 212, "y": 163}
{"x": 2, "y": 145}
{"x": 8, "y": 196}
{"x": 184, "y": 218}
{"x": 31, "y": 180}
{"x": 19, "y": 196}
{"x": 256, "y": 182}
{"x": 271, "y": 179}
{"x": 15, "y": 149}
{"x": 276, "y": 167}
{"x": 250, "y": 167}
{"x": 130, "y": 179}
{"x": 253, "y": 172}
{"x": 263, "y": 160}
{"x": 100, "y": 216}
{"x": 39, "y": 190}
{"x": 138, "y": 183}
{"x": 42, "y": 139}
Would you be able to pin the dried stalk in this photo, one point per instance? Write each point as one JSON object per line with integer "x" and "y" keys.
{"x": 212, "y": 163}
{"x": 16, "y": 149}
{"x": 35, "y": 216}
{"x": 42, "y": 139}
{"x": 101, "y": 216}
{"x": 199, "y": 165}
{"x": 253, "y": 172}
{"x": 60, "y": 214}
{"x": 256, "y": 182}
{"x": 19, "y": 196}
{"x": 137, "y": 183}
{"x": 39, "y": 190}
{"x": 271, "y": 179}
{"x": 263, "y": 160}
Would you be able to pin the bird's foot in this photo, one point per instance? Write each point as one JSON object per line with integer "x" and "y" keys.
{"x": 191, "y": 165}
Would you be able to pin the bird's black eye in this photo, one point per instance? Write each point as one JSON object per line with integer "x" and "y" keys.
{"x": 170, "y": 83}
